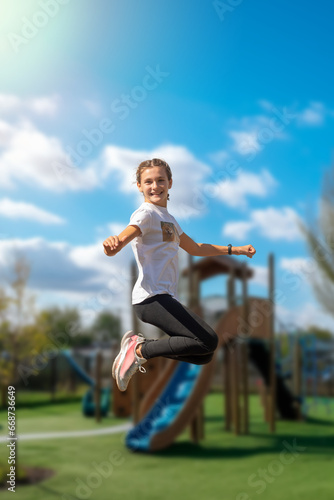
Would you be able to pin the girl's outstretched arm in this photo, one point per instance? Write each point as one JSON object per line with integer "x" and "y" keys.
{"x": 208, "y": 250}
{"x": 114, "y": 244}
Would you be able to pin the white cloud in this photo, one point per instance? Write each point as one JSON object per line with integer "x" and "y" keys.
{"x": 245, "y": 142}
{"x": 233, "y": 192}
{"x": 35, "y": 159}
{"x": 251, "y": 134}
{"x": 238, "y": 230}
{"x": 260, "y": 276}
{"x": 277, "y": 223}
{"x": 6, "y": 133}
{"x": 9, "y": 103}
{"x": 76, "y": 272}
{"x": 301, "y": 272}
{"x": 267, "y": 105}
{"x": 299, "y": 265}
{"x": 219, "y": 157}
{"x": 43, "y": 105}
{"x": 305, "y": 316}
{"x": 272, "y": 223}
{"x": 21, "y": 210}
{"x": 313, "y": 115}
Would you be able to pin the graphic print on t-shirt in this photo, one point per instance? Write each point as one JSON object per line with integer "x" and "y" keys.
{"x": 169, "y": 232}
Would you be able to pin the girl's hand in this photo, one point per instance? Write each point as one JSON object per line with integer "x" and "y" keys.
{"x": 112, "y": 245}
{"x": 248, "y": 250}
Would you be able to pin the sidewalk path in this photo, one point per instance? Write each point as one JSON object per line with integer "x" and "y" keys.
{"x": 55, "y": 435}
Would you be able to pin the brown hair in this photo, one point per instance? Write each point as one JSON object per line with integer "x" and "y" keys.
{"x": 155, "y": 162}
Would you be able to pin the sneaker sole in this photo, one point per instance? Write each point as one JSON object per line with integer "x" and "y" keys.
{"x": 125, "y": 337}
{"x": 121, "y": 384}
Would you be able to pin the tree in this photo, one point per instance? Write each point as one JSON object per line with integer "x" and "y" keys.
{"x": 64, "y": 327}
{"x": 17, "y": 339}
{"x": 320, "y": 240}
{"x": 20, "y": 342}
{"x": 320, "y": 333}
{"x": 105, "y": 327}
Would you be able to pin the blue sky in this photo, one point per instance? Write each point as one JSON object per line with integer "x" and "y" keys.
{"x": 239, "y": 103}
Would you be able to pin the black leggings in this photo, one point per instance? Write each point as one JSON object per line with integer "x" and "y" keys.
{"x": 190, "y": 338}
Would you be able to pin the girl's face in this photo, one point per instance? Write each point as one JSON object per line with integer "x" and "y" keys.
{"x": 154, "y": 184}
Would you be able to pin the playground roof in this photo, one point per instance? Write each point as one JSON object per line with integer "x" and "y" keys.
{"x": 221, "y": 264}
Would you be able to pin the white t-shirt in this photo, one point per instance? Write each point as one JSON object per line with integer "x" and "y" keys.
{"x": 155, "y": 251}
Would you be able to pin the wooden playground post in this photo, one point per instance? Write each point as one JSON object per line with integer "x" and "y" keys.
{"x": 197, "y": 423}
{"x": 235, "y": 388}
{"x": 244, "y": 353}
{"x": 98, "y": 385}
{"x": 227, "y": 385}
{"x": 227, "y": 371}
{"x": 271, "y": 334}
{"x": 134, "y": 384}
{"x": 232, "y": 405}
{"x": 233, "y": 362}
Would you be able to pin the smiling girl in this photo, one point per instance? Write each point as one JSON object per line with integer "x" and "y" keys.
{"x": 155, "y": 238}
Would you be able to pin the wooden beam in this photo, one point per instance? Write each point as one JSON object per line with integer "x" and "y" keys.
{"x": 272, "y": 383}
{"x": 244, "y": 355}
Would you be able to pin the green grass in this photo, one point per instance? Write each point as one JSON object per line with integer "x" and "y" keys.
{"x": 24, "y": 398}
{"x": 64, "y": 414}
{"x": 219, "y": 468}
{"x": 55, "y": 418}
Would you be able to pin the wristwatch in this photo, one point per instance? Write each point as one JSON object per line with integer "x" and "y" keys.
{"x": 229, "y": 246}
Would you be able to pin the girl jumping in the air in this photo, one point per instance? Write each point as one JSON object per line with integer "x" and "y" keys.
{"x": 155, "y": 239}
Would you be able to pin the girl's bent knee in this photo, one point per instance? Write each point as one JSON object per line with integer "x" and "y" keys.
{"x": 213, "y": 343}
{"x": 209, "y": 345}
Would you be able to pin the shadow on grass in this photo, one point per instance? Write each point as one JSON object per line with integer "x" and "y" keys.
{"x": 300, "y": 444}
{"x": 326, "y": 421}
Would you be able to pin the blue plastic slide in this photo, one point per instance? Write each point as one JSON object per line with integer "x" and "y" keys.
{"x": 166, "y": 409}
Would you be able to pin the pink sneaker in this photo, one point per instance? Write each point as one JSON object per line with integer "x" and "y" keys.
{"x": 125, "y": 337}
{"x": 129, "y": 361}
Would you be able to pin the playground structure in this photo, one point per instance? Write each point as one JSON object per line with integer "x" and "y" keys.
{"x": 170, "y": 396}
{"x": 175, "y": 398}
